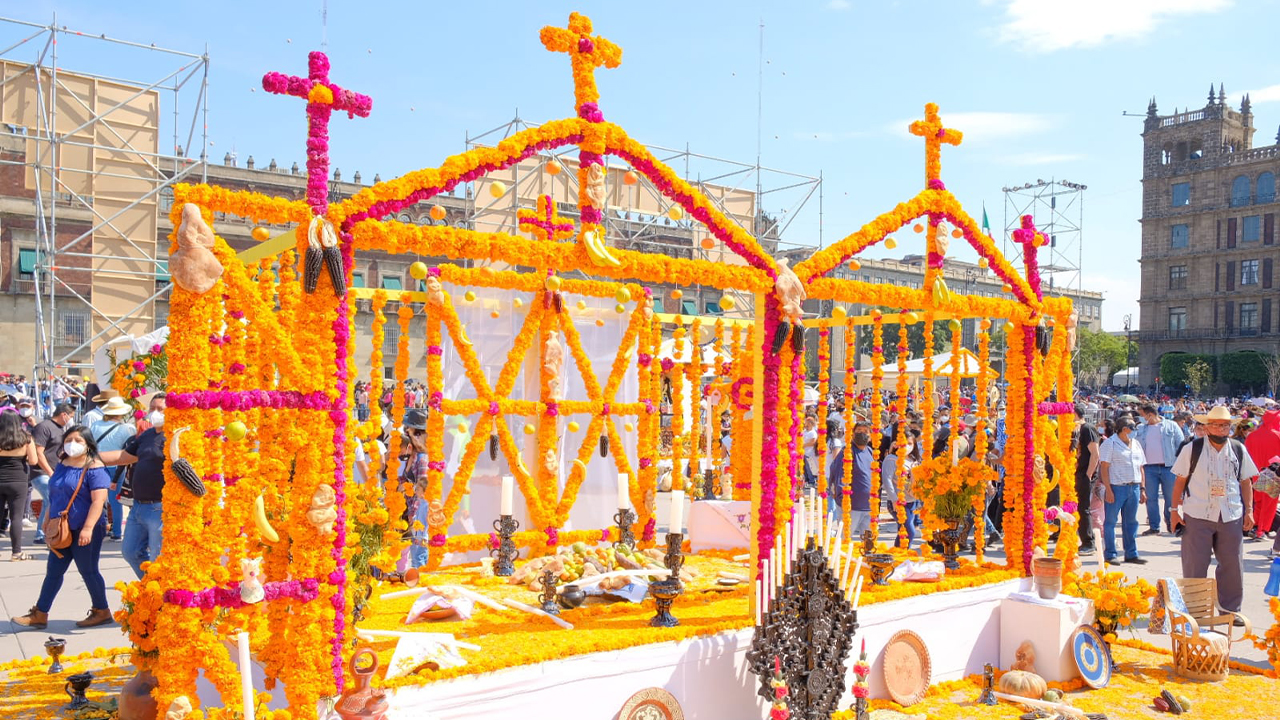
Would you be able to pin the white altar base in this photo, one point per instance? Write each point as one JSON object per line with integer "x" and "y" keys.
{"x": 708, "y": 675}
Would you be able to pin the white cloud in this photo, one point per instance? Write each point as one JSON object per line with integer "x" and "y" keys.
{"x": 838, "y": 5}
{"x": 981, "y": 126}
{"x": 1049, "y": 25}
{"x": 1033, "y": 158}
{"x": 1271, "y": 93}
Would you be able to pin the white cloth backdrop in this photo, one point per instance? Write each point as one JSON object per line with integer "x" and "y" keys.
{"x": 492, "y": 339}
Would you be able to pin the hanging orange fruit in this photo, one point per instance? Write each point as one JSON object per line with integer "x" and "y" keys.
{"x": 708, "y": 243}
{"x": 957, "y": 233}
{"x": 554, "y": 167}
{"x": 677, "y": 294}
{"x": 983, "y": 263}
{"x": 676, "y": 212}
{"x": 630, "y": 178}
{"x": 918, "y": 228}
{"x": 854, "y": 265}
{"x": 260, "y": 233}
{"x": 839, "y": 313}
{"x": 890, "y": 243}
{"x": 418, "y": 270}
{"x": 498, "y": 188}
{"x": 437, "y": 212}
{"x": 727, "y": 302}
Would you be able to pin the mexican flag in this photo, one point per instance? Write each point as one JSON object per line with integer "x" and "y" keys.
{"x": 986, "y": 224}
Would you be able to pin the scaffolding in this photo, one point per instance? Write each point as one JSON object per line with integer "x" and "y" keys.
{"x": 639, "y": 216}
{"x": 98, "y": 180}
{"x": 1058, "y": 209}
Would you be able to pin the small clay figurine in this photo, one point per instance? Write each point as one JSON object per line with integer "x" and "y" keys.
{"x": 179, "y": 709}
{"x": 595, "y": 185}
{"x": 250, "y": 585}
{"x": 435, "y": 292}
{"x": 435, "y": 514}
{"x": 553, "y": 363}
{"x": 193, "y": 265}
{"x": 322, "y": 515}
{"x": 1025, "y": 658}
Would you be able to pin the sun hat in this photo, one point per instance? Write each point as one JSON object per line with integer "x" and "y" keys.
{"x": 1219, "y": 413}
{"x": 104, "y": 396}
{"x": 415, "y": 419}
{"x": 116, "y": 406}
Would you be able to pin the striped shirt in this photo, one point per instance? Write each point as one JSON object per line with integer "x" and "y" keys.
{"x": 1124, "y": 461}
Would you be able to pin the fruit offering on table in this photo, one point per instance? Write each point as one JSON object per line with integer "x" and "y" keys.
{"x": 1170, "y": 703}
{"x": 580, "y": 561}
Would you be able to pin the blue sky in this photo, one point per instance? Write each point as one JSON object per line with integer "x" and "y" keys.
{"x": 1038, "y": 87}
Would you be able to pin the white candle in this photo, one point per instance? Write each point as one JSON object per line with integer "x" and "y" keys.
{"x": 775, "y": 560}
{"x": 508, "y": 488}
{"x": 835, "y": 562}
{"x": 246, "y": 674}
{"x": 624, "y": 491}
{"x": 788, "y": 542}
{"x": 676, "y": 521}
{"x": 857, "y": 594}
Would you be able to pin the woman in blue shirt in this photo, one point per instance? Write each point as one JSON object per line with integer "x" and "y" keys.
{"x": 78, "y": 458}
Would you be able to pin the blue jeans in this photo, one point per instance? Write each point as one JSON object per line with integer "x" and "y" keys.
{"x": 913, "y": 531}
{"x": 41, "y": 485}
{"x": 418, "y": 552}
{"x": 117, "y": 510}
{"x": 142, "y": 535}
{"x": 1125, "y": 508}
{"x": 86, "y": 560}
{"x": 1159, "y": 479}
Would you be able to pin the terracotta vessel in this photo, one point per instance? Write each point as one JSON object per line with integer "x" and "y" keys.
{"x": 363, "y": 702}
{"x": 135, "y": 699}
{"x": 1046, "y": 575}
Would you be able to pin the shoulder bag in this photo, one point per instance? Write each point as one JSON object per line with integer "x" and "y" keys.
{"x": 57, "y": 530}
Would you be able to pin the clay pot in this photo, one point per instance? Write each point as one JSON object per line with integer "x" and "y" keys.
{"x": 571, "y": 597}
{"x": 135, "y": 698}
{"x": 1046, "y": 575}
{"x": 362, "y": 702}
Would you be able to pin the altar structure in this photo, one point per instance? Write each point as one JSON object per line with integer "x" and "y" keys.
{"x": 545, "y": 364}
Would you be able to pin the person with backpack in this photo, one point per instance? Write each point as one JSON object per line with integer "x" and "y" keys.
{"x": 1214, "y": 481}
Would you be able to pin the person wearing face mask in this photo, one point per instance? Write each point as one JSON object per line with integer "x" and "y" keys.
{"x": 1214, "y": 487}
{"x": 78, "y": 487}
{"x": 48, "y": 439}
{"x": 860, "y": 490}
{"x": 27, "y": 411}
{"x": 110, "y": 434}
{"x": 145, "y": 454}
{"x": 1122, "y": 460}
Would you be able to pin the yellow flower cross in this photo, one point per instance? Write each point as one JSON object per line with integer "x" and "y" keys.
{"x": 545, "y": 223}
{"x": 586, "y": 54}
{"x": 934, "y": 134}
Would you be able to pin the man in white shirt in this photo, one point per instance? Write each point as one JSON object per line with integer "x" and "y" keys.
{"x": 1217, "y": 505}
{"x": 1160, "y": 438}
{"x": 1121, "y": 473}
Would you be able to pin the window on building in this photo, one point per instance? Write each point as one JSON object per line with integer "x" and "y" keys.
{"x": 1251, "y": 228}
{"x": 392, "y": 283}
{"x": 1177, "y": 319}
{"x": 75, "y": 328}
{"x": 689, "y": 307}
{"x": 657, "y": 305}
{"x": 1181, "y": 194}
{"x": 1266, "y": 187}
{"x": 1240, "y": 191}
{"x": 1180, "y": 237}
{"x": 1248, "y": 272}
{"x": 713, "y": 308}
{"x": 26, "y": 263}
{"x": 1248, "y": 316}
{"x": 162, "y": 273}
{"x": 357, "y": 279}
{"x": 1177, "y": 277}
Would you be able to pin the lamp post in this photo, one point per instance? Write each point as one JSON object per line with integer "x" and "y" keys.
{"x": 1128, "y": 350}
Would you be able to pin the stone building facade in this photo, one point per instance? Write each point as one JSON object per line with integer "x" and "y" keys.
{"x": 1208, "y": 235}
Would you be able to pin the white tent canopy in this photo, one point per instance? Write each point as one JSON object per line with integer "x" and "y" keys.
{"x": 1123, "y": 377}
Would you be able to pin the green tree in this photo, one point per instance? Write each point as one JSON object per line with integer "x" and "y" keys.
{"x": 1243, "y": 370}
{"x": 1101, "y": 353}
{"x": 1199, "y": 374}
{"x": 1173, "y": 368}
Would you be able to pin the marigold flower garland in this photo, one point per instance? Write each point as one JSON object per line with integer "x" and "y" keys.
{"x": 824, "y": 389}
{"x": 877, "y": 410}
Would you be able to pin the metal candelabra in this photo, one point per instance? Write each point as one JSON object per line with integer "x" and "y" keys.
{"x": 624, "y": 519}
{"x": 666, "y": 591}
{"x": 505, "y": 553}
{"x": 548, "y": 596}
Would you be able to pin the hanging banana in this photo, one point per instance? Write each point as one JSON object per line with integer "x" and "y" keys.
{"x": 597, "y": 250}
{"x": 267, "y": 532}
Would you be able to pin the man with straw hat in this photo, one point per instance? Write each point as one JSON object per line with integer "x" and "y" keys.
{"x": 1214, "y": 486}
{"x": 111, "y": 433}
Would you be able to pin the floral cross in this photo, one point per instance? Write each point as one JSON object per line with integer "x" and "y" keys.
{"x": 586, "y": 53}
{"x": 1030, "y": 238}
{"x": 545, "y": 223}
{"x": 934, "y": 134}
{"x": 323, "y": 97}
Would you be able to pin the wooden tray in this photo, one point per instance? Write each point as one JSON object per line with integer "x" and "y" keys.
{"x": 907, "y": 668}
{"x": 651, "y": 704}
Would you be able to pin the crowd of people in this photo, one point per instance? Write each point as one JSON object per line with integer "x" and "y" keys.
{"x": 90, "y": 473}
{"x": 1207, "y": 474}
